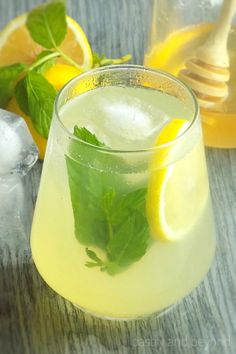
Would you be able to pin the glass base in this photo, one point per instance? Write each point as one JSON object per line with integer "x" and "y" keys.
{"x": 125, "y": 319}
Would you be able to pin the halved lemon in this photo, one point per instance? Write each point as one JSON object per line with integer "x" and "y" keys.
{"x": 177, "y": 191}
{"x": 16, "y": 45}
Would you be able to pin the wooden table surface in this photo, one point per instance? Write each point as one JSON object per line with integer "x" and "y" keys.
{"x": 33, "y": 319}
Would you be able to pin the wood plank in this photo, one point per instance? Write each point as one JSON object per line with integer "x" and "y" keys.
{"x": 33, "y": 319}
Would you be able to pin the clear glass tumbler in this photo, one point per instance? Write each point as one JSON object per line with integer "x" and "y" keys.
{"x": 178, "y": 28}
{"x": 123, "y": 224}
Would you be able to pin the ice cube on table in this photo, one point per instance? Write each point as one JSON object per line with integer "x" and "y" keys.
{"x": 18, "y": 152}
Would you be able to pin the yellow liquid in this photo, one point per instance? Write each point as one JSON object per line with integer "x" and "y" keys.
{"x": 165, "y": 274}
{"x": 219, "y": 124}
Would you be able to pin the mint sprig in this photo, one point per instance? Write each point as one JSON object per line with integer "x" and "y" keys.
{"x": 47, "y": 26}
{"x": 106, "y": 215}
{"x": 34, "y": 94}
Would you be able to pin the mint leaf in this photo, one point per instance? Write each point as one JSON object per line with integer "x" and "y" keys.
{"x": 41, "y": 68}
{"x": 130, "y": 242}
{"x": 22, "y": 95}
{"x": 105, "y": 214}
{"x": 92, "y": 255}
{"x": 41, "y": 96}
{"x": 85, "y": 135}
{"x": 86, "y": 188}
{"x": 47, "y": 24}
{"x": 8, "y": 79}
{"x": 132, "y": 201}
{"x": 107, "y": 201}
{"x": 130, "y": 239}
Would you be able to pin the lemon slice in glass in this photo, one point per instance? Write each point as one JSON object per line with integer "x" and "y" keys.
{"x": 177, "y": 191}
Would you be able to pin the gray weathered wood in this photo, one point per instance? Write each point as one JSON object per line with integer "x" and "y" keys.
{"x": 34, "y": 320}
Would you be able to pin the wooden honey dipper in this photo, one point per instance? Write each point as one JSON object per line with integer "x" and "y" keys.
{"x": 208, "y": 72}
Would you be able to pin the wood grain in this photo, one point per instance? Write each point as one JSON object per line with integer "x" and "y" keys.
{"x": 34, "y": 320}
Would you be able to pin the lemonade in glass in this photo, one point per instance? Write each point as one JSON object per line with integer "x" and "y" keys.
{"x": 123, "y": 224}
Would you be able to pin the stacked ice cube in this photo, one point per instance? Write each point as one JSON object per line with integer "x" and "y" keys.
{"x": 18, "y": 153}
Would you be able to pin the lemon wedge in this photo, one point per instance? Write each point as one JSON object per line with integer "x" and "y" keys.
{"x": 177, "y": 190}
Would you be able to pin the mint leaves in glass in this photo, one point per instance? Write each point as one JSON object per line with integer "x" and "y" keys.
{"x": 106, "y": 217}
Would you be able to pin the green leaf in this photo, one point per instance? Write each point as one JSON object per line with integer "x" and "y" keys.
{"x": 92, "y": 255}
{"x": 47, "y": 24}
{"x": 129, "y": 243}
{"x": 45, "y": 65}
{"x": 9, "y": 76}
{"x": 105, "y": 215}
{"x": 41, "y": 96}
{"x": 132, "y": 201}
{"x": 86, "y": 190}
{"x": 22, "y": 95}
{"x": 107, "y": 200}
{"x": 92, "y": 264}
{"x": 85, "y": 135}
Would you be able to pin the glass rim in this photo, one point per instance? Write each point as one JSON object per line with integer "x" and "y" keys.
{"x": 110, "y": 68}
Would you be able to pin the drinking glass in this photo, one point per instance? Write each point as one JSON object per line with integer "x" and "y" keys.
{"x": 123, "y": 223}
{"x": 178, "y": 28}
